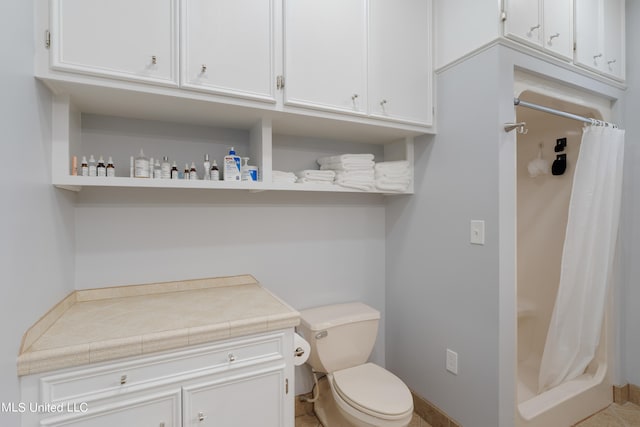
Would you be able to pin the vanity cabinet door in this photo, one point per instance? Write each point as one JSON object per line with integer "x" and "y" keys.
{"x": 325, "y": 54}
{"x": 524, "y": 21}
{"x": 400, "y": 69}
{"x": 228, "y": 47}
{"x": 134, "y": 40}
{"x": 252, "y": 399}
{"x": 159, "y": 410}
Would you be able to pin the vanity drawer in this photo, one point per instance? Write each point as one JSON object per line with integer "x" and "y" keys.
{"x": 111, "y": 379}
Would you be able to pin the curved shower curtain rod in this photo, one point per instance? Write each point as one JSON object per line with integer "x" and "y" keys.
{"x": 595, "y": 122}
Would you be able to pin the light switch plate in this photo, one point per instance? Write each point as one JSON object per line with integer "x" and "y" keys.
{"x": 452, "y": 362}
{"x": 477, "y": 232}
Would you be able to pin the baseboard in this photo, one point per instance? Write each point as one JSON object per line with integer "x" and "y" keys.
{"x": 430, "y": 412}
{"x": 626, "y": 393}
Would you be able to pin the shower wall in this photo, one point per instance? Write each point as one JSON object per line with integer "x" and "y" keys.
{"x": 542, "y": 206}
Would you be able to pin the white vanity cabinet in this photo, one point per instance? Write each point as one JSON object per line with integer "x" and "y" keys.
{"x": 116, "y": 39}
{"x": 325, "y": 53}
{"x": 227, "y": 47}
{"x": 600, "y": 36}
{"x": 236, "y": 382}
{"x": 400, "y": 63}
{"x": 546, "y": 24}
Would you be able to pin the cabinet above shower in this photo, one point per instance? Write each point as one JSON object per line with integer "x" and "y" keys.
{"x": 586, "y": 34}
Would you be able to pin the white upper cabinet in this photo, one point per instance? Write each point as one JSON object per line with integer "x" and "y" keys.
{"x": 547, "y": 24}
{"x": 600, "y": 30}
{"x": 116, "y": 38}
{"x": 228, "y": 47}
{"x": 400, "y": 63}
{"x": 325, "y": 53}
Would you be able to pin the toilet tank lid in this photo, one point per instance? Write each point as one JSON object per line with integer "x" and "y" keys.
{"x": 320, "y": 318}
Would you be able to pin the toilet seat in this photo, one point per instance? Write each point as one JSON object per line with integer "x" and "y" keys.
{"x": 374, "y": 391}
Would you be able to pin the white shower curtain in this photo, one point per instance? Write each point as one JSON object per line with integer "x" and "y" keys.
{"x": 587, "y": 258}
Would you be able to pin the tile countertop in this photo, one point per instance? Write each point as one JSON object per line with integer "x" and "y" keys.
{"x": 97, "y": 325}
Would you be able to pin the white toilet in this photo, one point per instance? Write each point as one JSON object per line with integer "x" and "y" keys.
{"x": 359, "y": 394}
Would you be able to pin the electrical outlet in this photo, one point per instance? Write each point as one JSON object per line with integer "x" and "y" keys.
{"x": 452, "y": 362}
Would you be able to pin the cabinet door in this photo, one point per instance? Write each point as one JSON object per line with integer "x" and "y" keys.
{"x": 614, "y": 38}
{"x": 589, "y": 38}
{"x": 524, "y": 21}
{"x": 162, "y": 410}
{"x": 325, "y": 54}
{"x": 558, "y": 27}
{"x": 255, "y": 399}
{"x": 124, "y": 39}
{"x": 228, "y": 47}
{"x": 400, "y": 72}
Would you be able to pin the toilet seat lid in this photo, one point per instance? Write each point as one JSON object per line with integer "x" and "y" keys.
{"x": 373, "y": 390}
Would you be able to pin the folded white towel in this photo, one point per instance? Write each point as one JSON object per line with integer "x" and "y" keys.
{"x": 392, "y": 175}
{"x": 318, "y": 175}
{"x": 280, "y": 177}
{"x": 366, "y": 174}
{"x": 358, "y": 186}
{"x": 396, "y": 188}
{"x": 348, "y": 166}
{"x": 393, "y": 181}
{"x": 399, "y": 165}
{"x": 313, "y": 181}
{"x": 346, "y": 158}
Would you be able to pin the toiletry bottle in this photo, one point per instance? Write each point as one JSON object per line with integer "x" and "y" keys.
{"x": 157, "y": 170}
{"x": 101, "y": 169}
{"x": 245, "y": 176}
{"x": 142, "y": 166}
{"x": 174, "y": 171}
{"x": 111, "y": 169}
{"x": 84, "y": 167}
{"x": 215, "y": 172}
{"x": 132, "y": 171}
{"x": 92, "y": 166}
{"x": 207, "y": 168}
{"x": 193, "y": 174}
{"x": 187, "y": 171}
{"x": 166, "y": 168}
{"x": 231, "y": 166}
{"x": 74, "y": 166}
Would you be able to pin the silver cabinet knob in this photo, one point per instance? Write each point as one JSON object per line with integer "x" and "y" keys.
{"x": 354, "y": 97}
{"x": 201, "y": 416}
{"x": 232, "y": 358}
{"x": 383, "y": 102}
{"x": 123, "y": 380}
{"x": 204, "y": 68}
{"x": 154, "y": 60}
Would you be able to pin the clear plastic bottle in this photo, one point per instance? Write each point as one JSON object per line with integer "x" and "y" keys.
{"x": 193, "y": 173}
{"x": 187, "y": 171}
{"x": 166, "y": 168}
{"x": 245, "y": 175}
{"x": 157, "y": 170}
{"x": 111, "y": 169}
{"x": 215, "y": 172}
{"x": 142, "y": 167}
{"x": 207, "y": 168}
{"x": 92, "y": 166}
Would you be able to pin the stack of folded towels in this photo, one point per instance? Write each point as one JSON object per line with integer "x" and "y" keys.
{"x": 280, "y": 177}
{"x": 351, "y": 170}
{"x": 316, "y": 176}
{"x": 393, "y": 176}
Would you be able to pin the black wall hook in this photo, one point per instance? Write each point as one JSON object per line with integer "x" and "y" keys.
{"x": 559, "y": 164}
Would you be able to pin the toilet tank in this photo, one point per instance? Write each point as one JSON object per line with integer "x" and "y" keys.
{"x": 341, "y": 335}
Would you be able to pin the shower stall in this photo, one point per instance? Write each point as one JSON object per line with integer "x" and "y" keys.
{"x": 547, "y": 151}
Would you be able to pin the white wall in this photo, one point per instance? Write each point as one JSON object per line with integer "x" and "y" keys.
{"x": 630, "y": 234}
{"x": 36, "y": 247}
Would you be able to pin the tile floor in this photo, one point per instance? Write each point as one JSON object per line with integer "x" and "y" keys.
{"x": 309, "y": 420}
{"x": 627, "y": 415}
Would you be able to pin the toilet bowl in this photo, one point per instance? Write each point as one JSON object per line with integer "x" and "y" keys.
{"x": 353, "y": 393}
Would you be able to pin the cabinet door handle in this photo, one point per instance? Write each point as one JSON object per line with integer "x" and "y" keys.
{"x": 613, "y": 61}
{"x": 204, "y": 68}
{"x": 383, "y": 102}
{"x": 232, "y": 358}
{"x": 354, "y": 97}
{"x": 123, "y": 380}
{"x": 201, "y": 416}
{"x": 553, "y": 36}
{"x": 597, "y": 56}
{"x": 535, "y": 27}
{"x": 154, "y": 60}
